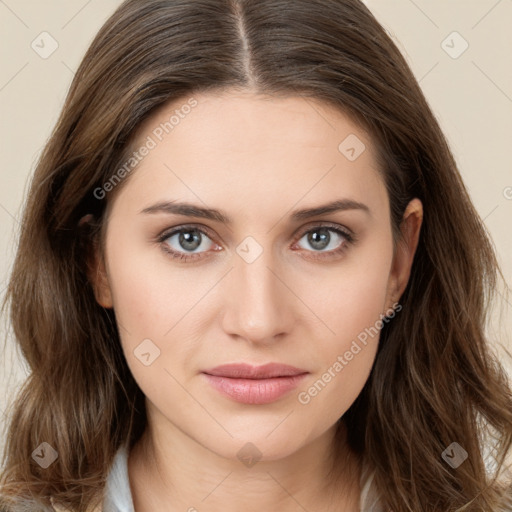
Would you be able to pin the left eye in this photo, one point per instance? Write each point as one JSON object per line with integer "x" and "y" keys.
{"x": 189, "y": 240}
{"x": 320, "y": 238}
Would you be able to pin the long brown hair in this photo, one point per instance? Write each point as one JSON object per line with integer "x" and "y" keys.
{"x": 435, "y": 380}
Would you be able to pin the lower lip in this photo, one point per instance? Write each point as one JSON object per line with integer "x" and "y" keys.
{"x": 255, "y": 391}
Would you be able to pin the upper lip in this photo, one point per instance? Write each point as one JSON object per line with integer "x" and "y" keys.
{"x": 248, "y": 371}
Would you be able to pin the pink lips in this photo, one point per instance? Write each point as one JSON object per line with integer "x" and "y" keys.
{"x": 254, "y": 384}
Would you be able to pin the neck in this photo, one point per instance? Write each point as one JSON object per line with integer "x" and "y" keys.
{"x": 171, "y": 471}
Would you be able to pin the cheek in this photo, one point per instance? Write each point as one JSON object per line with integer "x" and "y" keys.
{"x": 345, "y": 361}
{"x": 159, "y": 310}
{"x": 351, "y": 297}
{"x": 351, "y": 303}
{"x": 331, "y": 392}
{"x": 147, "y": 302}
{"x": 150, "y": 293}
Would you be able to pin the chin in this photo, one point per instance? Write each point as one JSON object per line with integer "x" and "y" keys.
{"x": 257, "y": 446}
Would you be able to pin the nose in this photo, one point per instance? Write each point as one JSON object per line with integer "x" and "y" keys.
{"x": 259, "y": 305}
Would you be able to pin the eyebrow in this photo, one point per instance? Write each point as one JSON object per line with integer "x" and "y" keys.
{"x": 192, "y": 210}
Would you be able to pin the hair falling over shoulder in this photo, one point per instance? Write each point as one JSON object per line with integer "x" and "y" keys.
{"x": 435, "y": 380}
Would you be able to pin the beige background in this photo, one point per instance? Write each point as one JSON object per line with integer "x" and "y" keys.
{"x": 471, "y": 96}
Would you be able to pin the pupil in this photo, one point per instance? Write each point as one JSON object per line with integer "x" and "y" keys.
{"x": 188, "y": 241}
{"x": 319, "y": 239}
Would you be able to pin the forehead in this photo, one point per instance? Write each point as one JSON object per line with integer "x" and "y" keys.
{"x": 259, "y": 147}
{"x": 238, "y": 120}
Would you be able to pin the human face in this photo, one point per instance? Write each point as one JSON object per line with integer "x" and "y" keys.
{"x": 267, "y": 287}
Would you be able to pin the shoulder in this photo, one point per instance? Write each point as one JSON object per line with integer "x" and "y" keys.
{"x": 118, "y": 494}
{"x": 58, "y": 508}
{"x": 369, "y": 496}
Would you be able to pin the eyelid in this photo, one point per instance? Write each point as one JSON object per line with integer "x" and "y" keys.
{"x": 349, "y": 234}
{"x": 164, "y": 235}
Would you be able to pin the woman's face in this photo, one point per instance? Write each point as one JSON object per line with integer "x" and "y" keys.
{"x": 259, "y": 282}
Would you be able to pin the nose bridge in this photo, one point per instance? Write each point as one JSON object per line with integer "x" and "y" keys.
{"x": 259, "y": 306}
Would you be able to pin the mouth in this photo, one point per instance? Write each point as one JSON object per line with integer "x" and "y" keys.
{"x": 254, "y": 385}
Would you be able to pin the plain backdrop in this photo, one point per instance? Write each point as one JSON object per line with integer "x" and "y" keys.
{"x": 459, "y": 50}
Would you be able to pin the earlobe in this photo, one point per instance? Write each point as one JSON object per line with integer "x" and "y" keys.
{"x": 96, "y": 268}
{"x": 410, "y": 228}
{"x": 100, "y": 283}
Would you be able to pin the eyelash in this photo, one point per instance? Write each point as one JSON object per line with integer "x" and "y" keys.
{"x": 349, "y": 239}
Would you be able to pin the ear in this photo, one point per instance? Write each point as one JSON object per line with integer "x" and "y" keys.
{"x": 96, "y": 268}
{"x": 404, "y": 255}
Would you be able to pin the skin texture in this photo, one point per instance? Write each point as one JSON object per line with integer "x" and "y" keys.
{"x": 257, "y": 159}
